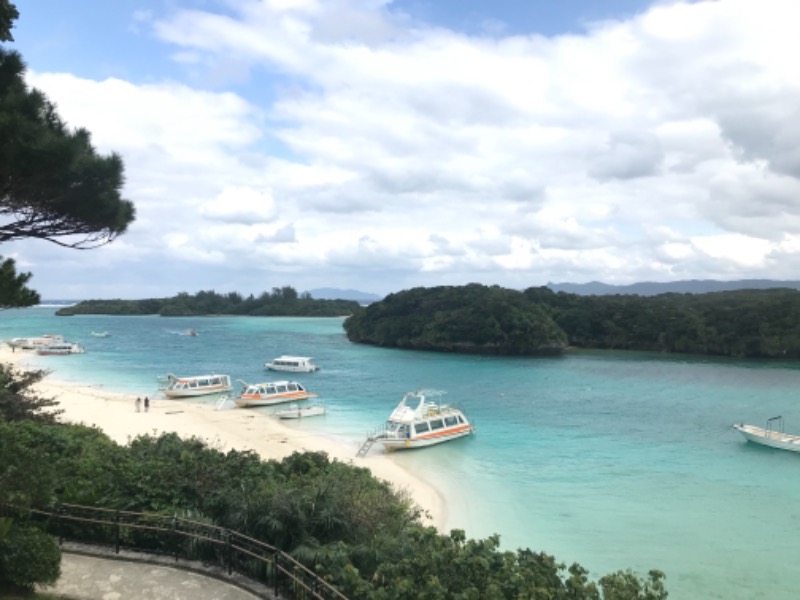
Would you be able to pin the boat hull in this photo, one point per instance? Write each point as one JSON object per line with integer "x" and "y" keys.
{"x": 300, "y": 412}
{"x": 393, "y": 444}
{"x": 200, "y": 392}
{"x": 773, "y": 439}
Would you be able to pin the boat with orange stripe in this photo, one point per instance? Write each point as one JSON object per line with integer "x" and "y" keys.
{"x": 420, "y": 420}
{"x": 271, "y": 392}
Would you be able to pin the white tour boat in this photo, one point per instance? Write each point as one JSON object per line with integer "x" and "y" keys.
{"x": 272, "y": 392}
{"x": 295, "y": 411}
{"x": 200, "y": 385}
{"x": 418, "y": 422}
{"x": 60, "y": 349}
{"x": 773, "y": 436}
{"x": 34, "y": 343}
{"x": 293, "y": 364}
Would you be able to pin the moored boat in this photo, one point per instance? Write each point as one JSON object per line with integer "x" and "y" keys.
{"x": 773, "y": 435}
{"x": 60, "y": 349}
{"x": 292, "y": 364}
{"x": 295, "y": 411}
{"x": 36, "y": 342}
{"x": 418, "y": 422}
{"x": 272, "y": 392}
{"x": 199, "y": 385}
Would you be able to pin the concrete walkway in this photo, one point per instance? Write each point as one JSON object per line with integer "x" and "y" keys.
{"x": 95, "y": 578}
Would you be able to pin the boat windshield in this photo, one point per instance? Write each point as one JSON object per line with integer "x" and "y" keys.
{"x": 397, "y": 429}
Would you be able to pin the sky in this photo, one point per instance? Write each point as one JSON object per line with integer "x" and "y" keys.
{"x": 382, "y": 145}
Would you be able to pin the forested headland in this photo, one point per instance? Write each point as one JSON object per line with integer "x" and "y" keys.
{"x": 280, "y": 302}
{"x": 354, "y": 530}
{"x": 537, "y": 321}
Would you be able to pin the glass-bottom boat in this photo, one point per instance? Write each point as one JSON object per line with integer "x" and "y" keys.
{"x": 419, "y": 421}
{"x": 272, "y": 392}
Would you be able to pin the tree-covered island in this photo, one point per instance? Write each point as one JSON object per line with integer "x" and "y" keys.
{"x": 537, "y": 321}
{"x": 281, "y": 302}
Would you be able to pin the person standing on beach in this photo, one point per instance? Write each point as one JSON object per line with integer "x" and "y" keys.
{"x": 146, "y": 404}
{"x": 138, "y": 404}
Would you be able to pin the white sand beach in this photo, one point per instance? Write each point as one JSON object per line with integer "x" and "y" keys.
{"x": 238, "y": 429}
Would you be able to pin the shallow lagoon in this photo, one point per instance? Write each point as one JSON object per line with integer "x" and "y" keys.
{"x": 614, "y": 460}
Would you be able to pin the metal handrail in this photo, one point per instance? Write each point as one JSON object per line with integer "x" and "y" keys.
{"x": 184, "y": 538}
{"x": 770, "y": 421}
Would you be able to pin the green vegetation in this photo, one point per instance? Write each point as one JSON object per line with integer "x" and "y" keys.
{"x": 281, "y": 302}
{"x": 480, "y": 319}
{"x": 351, "y": 528}
{"x": 473, "y": 318}
{"x": 54, "y": 186}
{"x": 27, "y": 556}
{"x": 14, "y": 292}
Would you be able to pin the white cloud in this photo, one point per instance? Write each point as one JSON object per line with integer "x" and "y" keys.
{"x": 357, "y": 148}
{"x": 236, "y": 204}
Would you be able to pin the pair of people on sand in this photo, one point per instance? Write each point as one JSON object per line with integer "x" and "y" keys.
{"x": 139, "y": 404}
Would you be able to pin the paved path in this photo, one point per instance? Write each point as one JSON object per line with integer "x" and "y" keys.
{"x": 94, "y": 578}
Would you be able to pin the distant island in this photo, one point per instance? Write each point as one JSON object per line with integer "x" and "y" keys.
{"x": 688, "y": 286}
{"x": 474, "y": 318}
{"x": 281, "y": 302}
{"x": 339, "y": 294}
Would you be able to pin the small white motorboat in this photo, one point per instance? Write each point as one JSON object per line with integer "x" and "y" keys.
{"x": 772, "y": 436}
{"x": 419, "y": 421}
{"x": 200, "y": 385}
{"x": 271, "y": 392}
{"x": 295, "y": 411}
{"x": 292, "y": 364}
{"x": 100, "y": 334}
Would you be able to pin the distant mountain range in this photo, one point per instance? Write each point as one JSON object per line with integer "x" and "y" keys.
{"x": 690, "y": 286}
{"x": 337, "y": 294}
{"x": 593, "y": 288}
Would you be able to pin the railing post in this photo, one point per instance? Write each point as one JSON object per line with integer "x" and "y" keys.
{"x": 60, "y": 522}
{"x": 230, "y": 551}
{"x": 275, "y": 558}
{"x": 175, "y": 536}
{"x": 117, "y": 533}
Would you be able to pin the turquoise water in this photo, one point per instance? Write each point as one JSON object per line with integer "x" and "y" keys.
{"x": 613, "y": 460}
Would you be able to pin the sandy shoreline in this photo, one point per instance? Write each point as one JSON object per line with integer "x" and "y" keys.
{"x": 238, "y": 429}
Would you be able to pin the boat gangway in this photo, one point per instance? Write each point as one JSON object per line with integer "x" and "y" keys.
{"x": 371, "y": 439}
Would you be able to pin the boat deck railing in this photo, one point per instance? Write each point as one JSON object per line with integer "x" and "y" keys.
{"x": 775, "y": 426}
